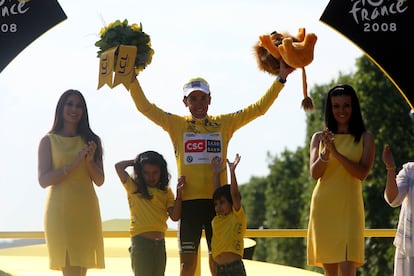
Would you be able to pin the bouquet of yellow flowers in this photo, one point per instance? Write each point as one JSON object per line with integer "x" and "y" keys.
{"x": 120, "y": 33}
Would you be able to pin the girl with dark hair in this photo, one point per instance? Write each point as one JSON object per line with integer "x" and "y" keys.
{"x": 69, "y": 162}
{"x": 341, "y": 157}
{"x": 151, "y": 202}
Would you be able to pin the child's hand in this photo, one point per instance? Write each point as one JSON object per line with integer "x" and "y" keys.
{"x": 180, "y": 186}
{"x": 233, "y": 165}
{"x": 217, "y": 165}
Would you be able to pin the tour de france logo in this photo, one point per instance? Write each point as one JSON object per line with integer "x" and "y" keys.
{"x": 378, "y": 15}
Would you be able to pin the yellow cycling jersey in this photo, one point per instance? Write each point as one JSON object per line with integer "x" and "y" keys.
{"x": 196, "y": 142}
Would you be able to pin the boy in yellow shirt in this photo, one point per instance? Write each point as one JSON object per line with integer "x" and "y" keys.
{"x": 229, "y": 224}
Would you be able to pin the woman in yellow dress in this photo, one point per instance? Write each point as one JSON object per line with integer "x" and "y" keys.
{"x": 341, "y": 157}
{"x": 69, "y": 162}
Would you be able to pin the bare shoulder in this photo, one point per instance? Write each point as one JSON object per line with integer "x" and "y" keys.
{"x": 368, "y": 136}
{"x": 369, "y": 142}
{"x": 45, "y": 140}
{"x": 44, "y": 148}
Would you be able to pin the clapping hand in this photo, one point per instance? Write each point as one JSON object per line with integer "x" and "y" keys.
{"x": 89, "y": 151}
{"x": 387, "y": 157}
{"x": 328, "y": 139}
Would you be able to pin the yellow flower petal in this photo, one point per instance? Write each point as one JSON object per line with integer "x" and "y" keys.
{"x": 135, "y": 27}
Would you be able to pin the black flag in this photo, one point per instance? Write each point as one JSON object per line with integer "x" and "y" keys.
{"x": 22, "y": 21}
{"x": 382, "y": 29}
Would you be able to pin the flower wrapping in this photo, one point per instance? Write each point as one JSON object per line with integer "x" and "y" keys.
{"x": 122, "y": 47}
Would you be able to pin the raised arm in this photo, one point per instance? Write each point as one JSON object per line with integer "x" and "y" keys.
{"x": 234, "y": 187}
{"x": 391, "y": 188}
{"x": 120, "y": 168}
{"x": 284, "y": 70}
{"x": 218, "y": 167}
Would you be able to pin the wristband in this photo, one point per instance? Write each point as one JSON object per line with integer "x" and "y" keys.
{"x": 280, "y": 79}
{"x": 323, "y": 160}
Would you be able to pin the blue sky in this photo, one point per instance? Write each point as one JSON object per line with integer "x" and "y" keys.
{"x": 212, "y": 39}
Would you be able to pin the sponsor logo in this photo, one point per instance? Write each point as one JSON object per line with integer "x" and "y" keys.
{"x": 189, "y": 159}
{"x": 213, "y": 146}
{"x": 195, "y": 145}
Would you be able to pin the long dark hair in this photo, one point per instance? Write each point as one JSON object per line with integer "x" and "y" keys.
{"x": 150, "y": 158}
{"x": 356, "y": 123}
{"x": 83, "y": 128}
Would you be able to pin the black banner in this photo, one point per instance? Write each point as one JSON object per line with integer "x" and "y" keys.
{"x": 382, "y": 29}
{"x": 22, "y": 22}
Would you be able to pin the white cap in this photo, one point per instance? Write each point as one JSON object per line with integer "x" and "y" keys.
{"x": 196, "y": 84}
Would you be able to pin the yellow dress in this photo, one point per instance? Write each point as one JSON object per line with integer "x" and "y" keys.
{"x": 72, "y": 216}
{"x": 337, "y": 220}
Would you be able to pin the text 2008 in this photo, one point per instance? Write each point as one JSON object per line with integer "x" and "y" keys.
{"x": 380, "y": 27}
{"x": 8, "y": 28}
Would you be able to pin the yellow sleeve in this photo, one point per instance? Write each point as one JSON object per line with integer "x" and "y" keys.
{"x": 258, "y": 108}
{"x": 130, "y": 185}
{"x": 150, "y": 110}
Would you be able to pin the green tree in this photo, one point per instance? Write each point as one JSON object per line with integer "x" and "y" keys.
{"x": 284, "y": 207}
{"x": 387, "y": 116}
{"x": 253, "y": 197}
{"x": 253, "y": 200}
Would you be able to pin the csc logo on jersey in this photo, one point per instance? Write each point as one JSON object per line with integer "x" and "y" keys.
{"x": 195, "y": 145}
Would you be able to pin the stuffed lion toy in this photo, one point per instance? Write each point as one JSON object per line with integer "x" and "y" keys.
{"x": 296, "y": 51}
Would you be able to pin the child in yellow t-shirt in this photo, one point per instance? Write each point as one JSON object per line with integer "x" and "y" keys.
{"x": 151, "y": 202}
{"x": 229, "y": 224}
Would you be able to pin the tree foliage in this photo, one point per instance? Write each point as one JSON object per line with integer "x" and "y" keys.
{"x": 283, "y": 206}
{"x": 281, "y": 200}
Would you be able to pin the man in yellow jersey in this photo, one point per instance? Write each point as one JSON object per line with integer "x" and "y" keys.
{"x": 197, "y": 138}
